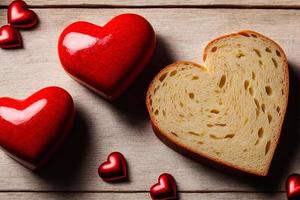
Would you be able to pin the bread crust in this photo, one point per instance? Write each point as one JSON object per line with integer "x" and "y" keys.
{"x": 206, "y": 159}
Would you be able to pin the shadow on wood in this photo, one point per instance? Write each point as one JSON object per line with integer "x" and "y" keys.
{"x": 131, "y": 106}
{"x": 64, "y": 167}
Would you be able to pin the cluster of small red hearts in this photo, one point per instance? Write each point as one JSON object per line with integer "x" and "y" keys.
{"x": 18, "y": 17}
{"x": 115, "y": 169}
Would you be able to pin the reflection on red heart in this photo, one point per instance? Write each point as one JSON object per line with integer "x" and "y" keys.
{"x": 32, "y": 129}
{"x": 115, "y": 168}
{"x": 165, "y": 189}
{"x": 9, "y": 37}
{"x": 293, "y": 187}
{"x": 107, "y": 59}
{"x": 20, "y": 16}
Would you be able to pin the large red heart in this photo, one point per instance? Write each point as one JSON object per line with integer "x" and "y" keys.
{"x": 107, "y": 59}
{"x": 9, "y": 37}
{"x": 20, "y": 16}
{"x": 32, "y": 129}
{"x": 293, "y": 187}
{"x": 115, "y": 168}
{"x": 165, "y": 189}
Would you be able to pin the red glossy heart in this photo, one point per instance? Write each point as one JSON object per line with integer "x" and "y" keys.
{"x": 9, "y": 37}
{"x": 107, "y": 59}
{"x": 115, "y": 168}
{"x": 20, "y": 16}
{"x": 293, "y": 187}
{"x": 165, "y": 189}
{"x": 32, "y": 129}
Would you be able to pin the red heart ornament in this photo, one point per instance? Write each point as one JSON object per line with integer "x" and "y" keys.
{"x": 20, "y": 16}
{"x": 165, "y": 189}
{"x": 107, "y": 59}
{"x": 293, "y": 187}
{"x": 115, "y": 168}
{"x": 9, "y": 37}
{"x": 32, "y": 129}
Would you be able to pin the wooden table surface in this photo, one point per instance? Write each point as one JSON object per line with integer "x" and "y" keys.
{"x": 183, "y": 28}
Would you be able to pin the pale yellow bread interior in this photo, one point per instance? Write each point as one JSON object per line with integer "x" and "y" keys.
{"x": 231, "y": 109}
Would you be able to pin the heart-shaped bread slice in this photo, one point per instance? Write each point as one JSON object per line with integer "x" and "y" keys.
{"x": 228, "y": 112}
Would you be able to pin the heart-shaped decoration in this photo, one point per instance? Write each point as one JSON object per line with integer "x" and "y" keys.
{"x": 32, "y": 129}
{"x": 20, "y": 16}
{"x": 165, "y": 189}
{"x": 107, "y": 59}
{"x": 293, "y": 187}
{"x": 230, "y": 111}
{"x": 9, "y": 37}
{"x": 115, "y": 168}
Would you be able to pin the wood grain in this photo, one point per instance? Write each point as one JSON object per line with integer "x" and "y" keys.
{"x": 130, "y": 196}
{"x": 176, "y": 3}
{"x": 102, "y": 127}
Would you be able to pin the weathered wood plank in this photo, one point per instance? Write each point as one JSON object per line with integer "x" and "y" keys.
{"x": 234, "y": 3}
{"x": 103, "y": 127}
{"x": 134, "y": 196}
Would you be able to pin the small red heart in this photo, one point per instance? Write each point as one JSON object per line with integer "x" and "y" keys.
{"x": 9, "y": 37}
{"x": 293, "y": 187}
{"x": 165, "y": 189}
{"x": 32, "y": 129}
{"x": 20, "y": 16}
{"x": 107, "y": 59}
{"x": 115, "y": 168}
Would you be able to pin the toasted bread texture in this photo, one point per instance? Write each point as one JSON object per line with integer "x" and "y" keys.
{"x": 230, "y": 110}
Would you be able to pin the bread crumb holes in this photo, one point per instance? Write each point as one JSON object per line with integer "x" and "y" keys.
{"x": 215, "y": 111}
{"x": 267, "y": 147}
{"x": 195, "y": 77}
{"x": 268, "y": 50}
{"x": 229, "y": 136}
{"x": 244, "y": 34}
{"x": 268, "y": 90}
{"x": 253, "y": 76}
{"x": 162, "y": 77}
{"x": 257, "y": 52}
{"x": 274, "y": 63}
{"x": 260, "y": 132}
{"x": 269, "y": 118}
{"x": 278, "y": 53}
{"x": 253, "y": 35}
{"x": 173, "y": 73}
{"x": 263, "y": 107}
{"x": 214, "y": 49}
{"x": 222, "y": 81}
{"x": 174, "y": 134}
{"x": 251, "y": 91}
{"x": 191, "y": 95}
{"x": 246, "y": 84}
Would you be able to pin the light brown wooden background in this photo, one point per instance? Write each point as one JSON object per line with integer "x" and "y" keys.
{"x": 183, "y": 28}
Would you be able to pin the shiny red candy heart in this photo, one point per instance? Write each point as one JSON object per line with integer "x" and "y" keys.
{"x": 107, "y": 59}
{"x": 20, "y": 16}
{"x": 9, "y": 37}
{"x": 293, "y": 187}
{"x": 115, "y": 168}
{"x": 32, "y": 129}
{"x": 165, "y": 189}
